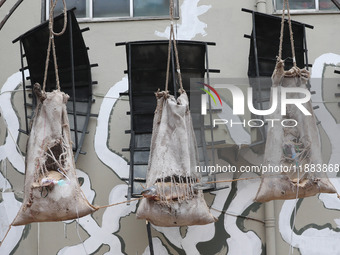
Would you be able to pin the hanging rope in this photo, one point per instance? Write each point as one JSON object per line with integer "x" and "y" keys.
{"x": 286, "y": 3}
{"x": 236, "y": 215}
{"x": 51, "y": 43}
{"x": 123, "y": 202}
{"x": 172, "y": 39}
{"x": 282, "y": 30}
{"x": 291, "y": 33}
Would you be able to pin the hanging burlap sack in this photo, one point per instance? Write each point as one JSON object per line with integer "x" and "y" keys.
{"x": 171, "y": 197}
{"x": 296, "y": 149}
{"x": 292, "y": 159}
{"x": 52, "y": 191}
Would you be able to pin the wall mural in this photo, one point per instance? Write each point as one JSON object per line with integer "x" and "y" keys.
{"x": 9, "y": 206}
{"x": 238, "y": 199}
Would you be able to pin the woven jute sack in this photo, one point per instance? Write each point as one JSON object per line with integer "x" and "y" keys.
{"x": 172, "y": 199}
{"x": 294, "y": 151}
{"x": 52, "y": 191}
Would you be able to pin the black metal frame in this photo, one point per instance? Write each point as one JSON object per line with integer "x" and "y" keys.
{"x": 337, "y": 94}
{"x": 76, "y": 101}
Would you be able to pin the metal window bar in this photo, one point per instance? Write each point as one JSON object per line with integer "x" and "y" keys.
{"x": 212, "y": 177}
{"x": 337, "y": 94}
{"x": 24, "y": 88}
{"x": 258, "y": 88}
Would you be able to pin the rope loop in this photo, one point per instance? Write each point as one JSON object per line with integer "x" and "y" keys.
{"x": 286, "y": 3}
{"x": 51, "y": 43}
{"x": 51, "y": 18}
{"x": 172, "y": 41}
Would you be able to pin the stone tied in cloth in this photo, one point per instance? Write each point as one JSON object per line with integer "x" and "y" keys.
{"x": 295, "y": 148}
{"x": 52, "y": 191}
{"x": 170, "y": 197}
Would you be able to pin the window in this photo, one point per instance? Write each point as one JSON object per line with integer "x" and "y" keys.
{"x": 116, "y": 9}
{"x": 307, "y": 5}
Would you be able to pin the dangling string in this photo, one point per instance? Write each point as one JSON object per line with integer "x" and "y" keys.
{"x": 172, "y": 39}
{"x": 129, "y": 201}
{"x": 77, "y": 229}
{"x": 286, "y": 2}
{"x": 51, "y": 43}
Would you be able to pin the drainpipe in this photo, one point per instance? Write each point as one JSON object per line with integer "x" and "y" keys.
{"x": 261, "y": 5}
{"x": 269, "y": 220}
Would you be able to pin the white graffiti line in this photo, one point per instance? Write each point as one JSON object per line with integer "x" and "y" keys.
{"x": 110, "y": 224}
{"x": 9, "y": 148}
{"x": 109, "y": 158}
{"x": 312, "y": 241}
{"x": 191, "y": 25}
{"x": 242, "y": 242}
{"x": 328, "y": 123}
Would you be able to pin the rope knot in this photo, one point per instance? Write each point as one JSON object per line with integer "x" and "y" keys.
{"x": 286, "y": 2}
